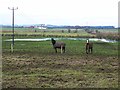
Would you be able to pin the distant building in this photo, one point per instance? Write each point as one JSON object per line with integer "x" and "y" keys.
{"x": 41, "y": 26}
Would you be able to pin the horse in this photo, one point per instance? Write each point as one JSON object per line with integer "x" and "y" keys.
{"x": 59, "y": 45}
{"x": 89, "y": 47}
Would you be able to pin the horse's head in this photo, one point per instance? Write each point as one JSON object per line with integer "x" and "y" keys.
{"x": 87, "y": 40}
{"x": 53, "y": 41}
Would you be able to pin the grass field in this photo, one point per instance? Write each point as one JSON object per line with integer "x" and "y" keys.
{"x": 108, "y": 30}
{"x": 36, "y": 65}
{"x": 47, "y": 32}
{"x": 102, "y": 33}
{"x": 109, "y": 34}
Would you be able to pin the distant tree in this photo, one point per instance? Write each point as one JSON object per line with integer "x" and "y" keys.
{"x": 62, "y": 31}
{"x": 97, "y": 31}
{"x": 69, "y": 30}
{"x": 76, "y": 31}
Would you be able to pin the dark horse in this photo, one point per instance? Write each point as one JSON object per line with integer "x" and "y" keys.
{"x": 89, "y": 47}
{"x": 59, "y": 45}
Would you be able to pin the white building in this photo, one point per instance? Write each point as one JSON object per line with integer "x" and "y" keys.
{"x": 41, "y": 26}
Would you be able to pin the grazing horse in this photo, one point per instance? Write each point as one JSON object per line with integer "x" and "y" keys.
{"x": 89, "y": 47}
{"x": 59, "y": 45}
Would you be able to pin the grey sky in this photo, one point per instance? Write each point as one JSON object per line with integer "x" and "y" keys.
{"x": 61, "y": 12}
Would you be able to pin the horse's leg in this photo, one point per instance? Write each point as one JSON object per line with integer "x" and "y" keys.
{"x": 86, "y": 49}
{"x": 56, "y": 50}
{"x": 64, "y": 49}
{"x": 61, "y": 49}
{"x": 91, "y": 49}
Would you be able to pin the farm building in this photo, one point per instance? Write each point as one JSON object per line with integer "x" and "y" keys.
{"x": 41, "y": 26}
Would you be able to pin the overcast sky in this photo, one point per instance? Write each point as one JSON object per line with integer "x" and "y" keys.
{"x": 61, "y": 12}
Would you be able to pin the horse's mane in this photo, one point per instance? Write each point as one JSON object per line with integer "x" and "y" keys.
{"x": 53, "y": 41}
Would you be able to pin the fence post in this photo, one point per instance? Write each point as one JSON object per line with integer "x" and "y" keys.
{"x": 12, "y": 48}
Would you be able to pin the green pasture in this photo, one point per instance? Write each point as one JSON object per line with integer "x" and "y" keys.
{"x": 56, "y": 30}
{"x": 72, "y": 47}
{"x": 47, "y": 32}
{"x": 109, "y": 30}
{"x": 59, "y": 32}
{"x": 36, "y": 65}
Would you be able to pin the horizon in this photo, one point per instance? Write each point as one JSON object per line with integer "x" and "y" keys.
{"x": 56, "y": 26}
{"x": 51, "y": 25}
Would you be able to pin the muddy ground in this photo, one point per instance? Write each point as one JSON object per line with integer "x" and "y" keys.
{"x": 35, "y": 70}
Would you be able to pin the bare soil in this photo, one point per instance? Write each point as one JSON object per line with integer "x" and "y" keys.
{"x": 35, "y": 70}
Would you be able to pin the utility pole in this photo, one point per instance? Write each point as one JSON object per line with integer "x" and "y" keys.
{"x": 12, "y": 25}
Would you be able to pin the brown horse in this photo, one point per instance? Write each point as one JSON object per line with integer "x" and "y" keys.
{"x": 59, "y": 45}
{"x": 89, "y": 47}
